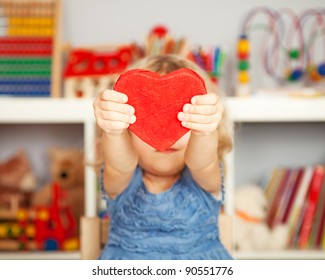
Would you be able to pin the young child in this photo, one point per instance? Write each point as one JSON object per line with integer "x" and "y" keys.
{"x": 164, "y": 205}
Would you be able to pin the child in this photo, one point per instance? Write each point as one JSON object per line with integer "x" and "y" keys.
{"x": 164, "y": 205}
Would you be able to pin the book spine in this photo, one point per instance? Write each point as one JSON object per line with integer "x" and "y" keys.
{"x": 297, "y": 211}
{"x": 272, "y": 218}
{"x": 319, "y": 220}
{"x": 293, "y": 196}
{"x": 312, "y": 199}
{"x": 321, "y": 228}
{"x": 321, "y": 233}
{"x": 287, "y": 193}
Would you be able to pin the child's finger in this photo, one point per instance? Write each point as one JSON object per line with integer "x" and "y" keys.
{"x": 112, "y": 126}
{"x": 116, "y": 107}
{"x": 115, "y": 116}
{"x": 200, "y": 109}
{"x": 205, "y": 99}
{"x": 196, "y": 118}
{"x": 114, "y": 96}
{"x": 199, "y": 126}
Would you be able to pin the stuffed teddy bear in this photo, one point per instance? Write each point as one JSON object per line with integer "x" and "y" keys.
{"x": 251, "y": 231}
{"x": 16, "y": 174}
{"x": 67, "y": 169}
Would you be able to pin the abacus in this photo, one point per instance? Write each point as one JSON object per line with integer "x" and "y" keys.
{"x": 29, "y": 48}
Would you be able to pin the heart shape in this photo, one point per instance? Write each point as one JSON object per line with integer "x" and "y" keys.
{"x": 157, "y": 100}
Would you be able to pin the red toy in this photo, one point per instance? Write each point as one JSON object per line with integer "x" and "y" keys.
{"x": 60, "y": 225}
{"x": 39, "y": 228}
{"x": 91, "y": 70}
{"x": 90, "y": 63}
{"x": 157, "y": 101}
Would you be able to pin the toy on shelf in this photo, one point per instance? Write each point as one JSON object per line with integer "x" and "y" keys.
{"x": 251, "y": 230}
{"x": 285, "y": 52}
{"x": 29, "y": 48}
{"x": 90, "y": 70}
{"x": 160, "y": 41}
{"x": 39, "y": 228}
{"x": 66, "y": 168}
{"x": 16, "y": 174}
{"x": 315, "y": 70}
{"x": 243, "y": 52}
{"x": 210, "y": 60}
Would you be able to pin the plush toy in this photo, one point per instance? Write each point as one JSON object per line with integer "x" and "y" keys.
{"x": 251, "y": 231}
{"x": 66, "y": 169}
{"x": 16, "y": 174}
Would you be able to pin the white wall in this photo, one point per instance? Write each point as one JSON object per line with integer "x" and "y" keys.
{"x": 208, "y": 22}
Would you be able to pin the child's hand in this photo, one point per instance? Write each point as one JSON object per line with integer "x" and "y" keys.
{"x": 203, "y": 114}
{"x": 112, "y": 113}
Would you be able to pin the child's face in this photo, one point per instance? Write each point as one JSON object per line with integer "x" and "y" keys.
{"x": 169, "y": 162}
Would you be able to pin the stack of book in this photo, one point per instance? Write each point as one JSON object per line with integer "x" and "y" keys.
{"x": 296, "y": 197}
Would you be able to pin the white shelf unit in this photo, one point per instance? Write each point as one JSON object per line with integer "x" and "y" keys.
{"x": 40, "y": 255}
{"x": 270, "y": 110}
{"x": 281, "y": 255}
{"x": 56, "y": 111}
{"x": 241, "y": 110}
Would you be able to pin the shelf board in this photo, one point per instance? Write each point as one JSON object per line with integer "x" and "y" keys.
{"x": 248, "y": 109}
{"x": 45, "y": 110}
{"x": 276, "y": 109}
{"x": 281, "y": 255}
{"x": 75, "y": 255}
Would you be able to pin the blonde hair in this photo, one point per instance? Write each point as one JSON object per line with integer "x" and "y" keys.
{"x": 164, "y": 64}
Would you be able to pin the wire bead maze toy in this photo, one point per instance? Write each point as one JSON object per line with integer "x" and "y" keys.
{"x": 29, "y": 54}
{"x": 316, "y": 17}
{"x": 284, "y": 50}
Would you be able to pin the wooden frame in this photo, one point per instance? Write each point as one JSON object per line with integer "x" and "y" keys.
{"x": 28, "y": 8}
{"x": 56, "y": 78}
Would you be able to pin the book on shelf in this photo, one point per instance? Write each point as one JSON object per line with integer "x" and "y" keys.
{"x": 297, "y": 227}
{"x": 273, "y": 183}
{"x": 296, "y": 198}
{"x": 298, "y": 204}
{"x": 287, "y": 192}
{"x": 311, "y": 206}
{"x": 276, "y": 201}
{"x": 317, "y": 231}
{"x": 293, "y": 195}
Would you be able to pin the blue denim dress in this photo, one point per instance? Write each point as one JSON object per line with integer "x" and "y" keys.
{"x": 180, "y": 223}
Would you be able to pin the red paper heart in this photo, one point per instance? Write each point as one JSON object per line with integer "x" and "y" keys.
{"x": 157, "y": 101}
